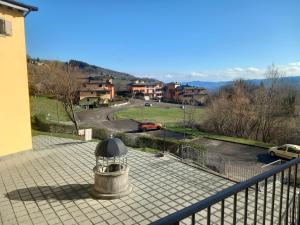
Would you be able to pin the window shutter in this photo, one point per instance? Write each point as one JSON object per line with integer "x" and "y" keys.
{"x": 8, "y": 28}
{"x": 2, "y": 26}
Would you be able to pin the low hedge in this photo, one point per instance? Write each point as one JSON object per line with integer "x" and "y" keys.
{"x": 40, "y": 123}
{"x": 100, "y": 133}
{"x": 129, "y": 140}
{"x": 168, "y": 144}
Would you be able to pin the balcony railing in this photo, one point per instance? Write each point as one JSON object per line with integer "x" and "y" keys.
{"x": 246, "y": 203}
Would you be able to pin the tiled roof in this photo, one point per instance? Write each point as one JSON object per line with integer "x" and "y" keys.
{"x": 12, "y": 3}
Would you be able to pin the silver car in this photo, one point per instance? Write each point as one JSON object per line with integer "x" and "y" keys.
{"x": 287, "y": 151}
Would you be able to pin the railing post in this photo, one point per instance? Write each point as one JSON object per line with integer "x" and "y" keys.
{"x": 298, "y": 210}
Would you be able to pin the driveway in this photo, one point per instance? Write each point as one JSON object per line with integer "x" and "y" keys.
{"x": 102, "y": 118}
{"x": 238, "y": 153}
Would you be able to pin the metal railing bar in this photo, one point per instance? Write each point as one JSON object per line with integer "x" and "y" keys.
{"x": 255, "y": 203}
{"x": 222, "y": 212}
{"x": 294, "y": 192}
{"x": 265, "y": 201}
{"x": 287, "y": 197}
{"x": 273, "y": 198}
{"x": 281, "y": 196}
{"x": 208, "y": 215}
{"x": 298, "y": 210}
{"x": 193, "y": 219}
{"x": 234, "y": 209}
{"x": 246, "y": 206}
{"x": 228, "y": 192}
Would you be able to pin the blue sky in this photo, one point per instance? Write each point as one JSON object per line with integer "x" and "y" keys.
{"x": 178, "y": 40}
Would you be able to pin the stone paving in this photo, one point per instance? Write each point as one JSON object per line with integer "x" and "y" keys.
{"x": 50, "y": 185}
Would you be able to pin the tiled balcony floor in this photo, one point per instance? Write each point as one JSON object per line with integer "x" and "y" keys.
{"x": 50, "y": 185}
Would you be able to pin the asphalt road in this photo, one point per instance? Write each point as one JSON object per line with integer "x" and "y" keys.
{"x": 102, "y": 118}
{"x": 238, "y": 153}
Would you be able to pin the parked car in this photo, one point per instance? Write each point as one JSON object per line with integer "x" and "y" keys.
{"x": 182, "y": 106}
{"x": 148, "y": 104}
{"x": 287, "y": 151}
{"x": 145, "y": 126}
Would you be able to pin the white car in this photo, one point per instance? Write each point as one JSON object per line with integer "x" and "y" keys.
{"x": 287, "y": 151}
{"x": 148, "y": 104}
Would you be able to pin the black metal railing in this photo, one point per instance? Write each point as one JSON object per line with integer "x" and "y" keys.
{"x": 245, "y": 203}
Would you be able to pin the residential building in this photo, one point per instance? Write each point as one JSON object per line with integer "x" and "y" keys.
{"x": 190, "y": 95}
{"x": 95, "y": 92}
{"x": 15, "y": 111}
{"x": 169, "y": 91}
{"x": 146, "y": 90}
{"x": 174, "y": 92}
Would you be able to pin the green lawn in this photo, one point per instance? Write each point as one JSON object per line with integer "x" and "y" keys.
{"x": 165, "y": 116}
{"x": 48, "y": 106}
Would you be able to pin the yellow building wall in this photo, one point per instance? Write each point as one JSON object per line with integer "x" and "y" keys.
{"x": 15, "y": 128}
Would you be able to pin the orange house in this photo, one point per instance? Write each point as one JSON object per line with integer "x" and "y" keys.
{"x": 150, "y": 89}
{"x": 96, "y": 92}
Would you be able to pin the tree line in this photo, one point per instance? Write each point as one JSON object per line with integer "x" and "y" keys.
{"x": 268, "y": 112}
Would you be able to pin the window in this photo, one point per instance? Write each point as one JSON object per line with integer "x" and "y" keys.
{"x": 92, "y": 92}
{"x": 282, "y": 148}
{"x": 5, "y": 27}
{"x": 2, "y": 27}
{"x": 292, "y": 150}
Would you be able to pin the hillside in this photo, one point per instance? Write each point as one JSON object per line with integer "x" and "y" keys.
{"x": 40, "y": 71}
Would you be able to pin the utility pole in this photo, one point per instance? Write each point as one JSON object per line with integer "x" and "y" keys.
{"x": 164, "y": 138}
{"x": 184, "y": 127}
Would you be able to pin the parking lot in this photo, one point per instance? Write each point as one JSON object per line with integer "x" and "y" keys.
{"x": 237, "y": 153}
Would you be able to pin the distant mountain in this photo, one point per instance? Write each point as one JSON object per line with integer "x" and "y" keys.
{"x": 294, "y": 81}
{"x": 92, "y": 70}
{"x": 38, "y": 69}
{"x": 208, "y": 85}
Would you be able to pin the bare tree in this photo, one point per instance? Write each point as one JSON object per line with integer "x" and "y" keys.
{"x": 262, "y": 112}
{"x": 65, "y": 88}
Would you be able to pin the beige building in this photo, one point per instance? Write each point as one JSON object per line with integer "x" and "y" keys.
{"x": 94, "y": 92}
{"x": 15, "y": 130}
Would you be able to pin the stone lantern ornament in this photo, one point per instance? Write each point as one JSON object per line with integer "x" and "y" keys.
{"x": 111, "y": 170}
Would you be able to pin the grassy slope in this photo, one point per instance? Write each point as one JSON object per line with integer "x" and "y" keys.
{"x": 48, "y": 106}
{"x": 166, "y": 116}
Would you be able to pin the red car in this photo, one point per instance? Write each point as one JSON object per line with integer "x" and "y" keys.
{"x": 145, "y": 126}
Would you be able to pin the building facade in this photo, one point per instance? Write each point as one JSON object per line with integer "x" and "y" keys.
{"x": 191, "y": 95}
{"x": 174, "y": 92}
{"x": 169, "y": 91}
{"x": 95, "y": 92}
{"x": 146, "y": 90}
{"x": 14, "y": 114}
